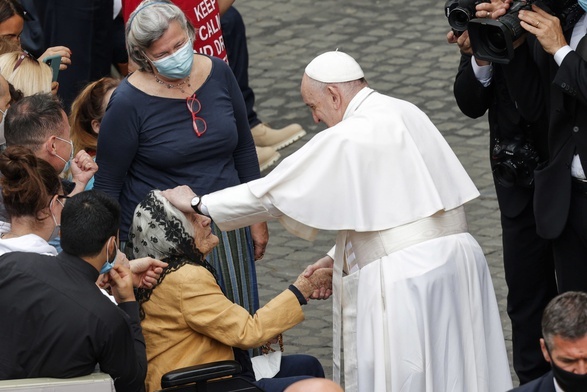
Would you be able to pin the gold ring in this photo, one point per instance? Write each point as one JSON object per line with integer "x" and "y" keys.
{"x": 488, "y": 14}
{"x": 538, "y": 24}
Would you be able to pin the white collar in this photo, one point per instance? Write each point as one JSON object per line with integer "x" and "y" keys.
{"x": 357, "y": 101}
{"x": 557, "y": 387}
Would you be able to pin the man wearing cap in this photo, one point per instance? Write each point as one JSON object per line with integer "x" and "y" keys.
{"x": 411, "y": 286}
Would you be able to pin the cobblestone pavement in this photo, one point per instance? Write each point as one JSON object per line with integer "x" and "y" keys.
{"x": 402, "y": 48}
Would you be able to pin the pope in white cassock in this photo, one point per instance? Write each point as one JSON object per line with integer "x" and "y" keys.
{"x": 413, "y": 300}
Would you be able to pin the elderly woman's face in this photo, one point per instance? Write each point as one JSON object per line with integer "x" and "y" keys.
{"x": 172, "y": 40}
{"x": 203, "y": 237}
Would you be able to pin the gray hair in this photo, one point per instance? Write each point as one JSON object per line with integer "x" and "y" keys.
{"x": 565, "y": 316}
{"x": 147, "y": 24}
{"x": 32, "y": 120}
{"x": 348, "y": 89}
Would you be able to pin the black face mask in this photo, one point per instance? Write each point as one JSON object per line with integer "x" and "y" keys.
{"x": 569, "y": 382}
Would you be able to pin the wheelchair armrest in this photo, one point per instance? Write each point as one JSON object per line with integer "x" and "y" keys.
{"x": 206, "y": 371}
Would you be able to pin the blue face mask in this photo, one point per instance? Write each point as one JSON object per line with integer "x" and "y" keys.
{"x": 109, "y": 264}
{"x": 177, "y": 65}
{"x": 583, "y": 4}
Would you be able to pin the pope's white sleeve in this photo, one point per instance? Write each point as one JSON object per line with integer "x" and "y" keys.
{"x": 237, "y": 207}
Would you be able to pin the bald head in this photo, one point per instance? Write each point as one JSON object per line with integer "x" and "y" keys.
{"x": 314, "y": 385}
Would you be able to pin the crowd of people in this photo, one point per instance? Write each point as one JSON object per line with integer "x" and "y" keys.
{"x": 133, "y": 209}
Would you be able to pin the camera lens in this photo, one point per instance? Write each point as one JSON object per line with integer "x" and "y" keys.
{"x": 496, "y": 41}
{"x": 512, "y": 22}
{"x": 459, "y": 18}
{"x": 506, "y": 173}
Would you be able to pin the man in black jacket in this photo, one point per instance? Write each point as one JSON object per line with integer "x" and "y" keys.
{"x": 560, "y": 200}
{"x": 564, "y": 327}
{"x": 56, "y": 322}
{"x": 516, "y": 125}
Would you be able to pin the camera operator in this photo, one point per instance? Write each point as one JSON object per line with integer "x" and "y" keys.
{"x": 560, "y": 200}
{"x": 518, "y": 130}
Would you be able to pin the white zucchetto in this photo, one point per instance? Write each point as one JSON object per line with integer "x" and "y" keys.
{"x": 334, "y": 67}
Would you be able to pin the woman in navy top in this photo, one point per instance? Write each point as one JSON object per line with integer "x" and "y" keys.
{"x": 180, "y": 119}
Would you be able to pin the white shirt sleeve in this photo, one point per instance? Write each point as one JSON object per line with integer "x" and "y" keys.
{"x": 236, "y": 207}
{"x": 483, "y": 73}
{"x": 560, "y": 54}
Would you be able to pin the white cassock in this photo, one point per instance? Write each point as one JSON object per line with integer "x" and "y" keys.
{"x": 416, "y": 300}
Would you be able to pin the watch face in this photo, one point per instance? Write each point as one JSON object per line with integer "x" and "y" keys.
{"x": 195, "y": 202}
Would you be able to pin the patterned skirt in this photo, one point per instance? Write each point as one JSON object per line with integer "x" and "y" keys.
{"x": 234, "y": 262}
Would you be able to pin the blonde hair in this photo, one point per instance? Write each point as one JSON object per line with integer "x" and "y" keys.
{"x": 30, "y": 76}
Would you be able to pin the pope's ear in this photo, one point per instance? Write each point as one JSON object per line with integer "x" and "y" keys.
{"x": 334, "y": 96}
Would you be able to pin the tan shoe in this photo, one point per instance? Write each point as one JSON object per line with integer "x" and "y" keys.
{"x": 265, "y": 136}
{"x": 267, "y": 157}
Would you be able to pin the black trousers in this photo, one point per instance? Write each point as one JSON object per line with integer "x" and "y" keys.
{"x": 570, "y": 248}
{"x": 529, "y": 273}
{"x": 233, "y": 31}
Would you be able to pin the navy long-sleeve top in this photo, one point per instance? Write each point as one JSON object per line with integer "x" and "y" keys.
{"x": 148, "y": 142}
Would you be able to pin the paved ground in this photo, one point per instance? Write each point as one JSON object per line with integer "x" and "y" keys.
{"x": 402, "y": 48}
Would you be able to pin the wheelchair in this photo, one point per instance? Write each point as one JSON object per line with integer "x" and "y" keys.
{"x": 207, "y": 378}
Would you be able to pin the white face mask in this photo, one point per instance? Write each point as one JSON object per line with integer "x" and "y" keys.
{"x": 57, "y": 227}
{"x": 2, "y": 138}
{"x": 68, "y": 162}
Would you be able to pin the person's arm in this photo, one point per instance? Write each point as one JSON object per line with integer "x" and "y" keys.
{"x": 118, "y": 143}
{"x": 230, "y": 208}
{"x": 324, "y": 262}
{"x": 207, "y": 310}
{"x": 146, "y": 271}
{"x": 244, "y": 155}
{"x": 224, "y": 5}
{"x": 83, "y": 168}
{"x": 124, "y": 355}
{"x": 571, "y": 76}
{"x": 472, "y": 97}
{"x": 245, "y": 160}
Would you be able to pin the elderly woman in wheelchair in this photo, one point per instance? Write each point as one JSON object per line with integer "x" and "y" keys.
{"x": 187, "y": 320}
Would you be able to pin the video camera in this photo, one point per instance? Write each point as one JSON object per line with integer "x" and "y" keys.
{"x": 491, "y": 40}
{"x": 459, "y": 13}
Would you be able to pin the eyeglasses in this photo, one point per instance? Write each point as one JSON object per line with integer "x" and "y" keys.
{"x": 194, "y": 106}
{"x": 21, "y": 57}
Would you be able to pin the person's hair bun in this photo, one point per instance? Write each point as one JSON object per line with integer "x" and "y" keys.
{"x": 28, "y": 183}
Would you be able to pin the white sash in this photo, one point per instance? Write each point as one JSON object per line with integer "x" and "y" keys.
{"x": 366, "y": 248}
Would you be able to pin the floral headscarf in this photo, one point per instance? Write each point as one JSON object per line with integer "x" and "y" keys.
{"x": 161, "y": 231}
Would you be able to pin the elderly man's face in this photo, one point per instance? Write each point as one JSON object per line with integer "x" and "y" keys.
{"x": 569, "y": 355}
{"x": 320, "y": 103}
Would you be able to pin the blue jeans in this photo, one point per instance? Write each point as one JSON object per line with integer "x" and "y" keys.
{"x": 293, "y": 368}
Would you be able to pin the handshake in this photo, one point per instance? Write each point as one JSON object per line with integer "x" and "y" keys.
{"x": 320, "y": 281}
